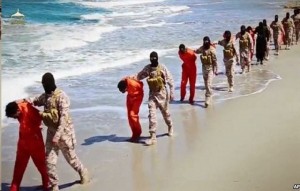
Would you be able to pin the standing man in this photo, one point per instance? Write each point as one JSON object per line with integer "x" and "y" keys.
{"x": 135, "y": 96}
{"x": 209, "y": 66}
{"x": 246, "y": 47}
{"x": 189, "y": 72}
{"x": 229, "y": 52}
{"x": 157, "y": 77}
{"x": 30, "y": 142}
{"x": 269, "y": 33}
{"x": 278, "y": 32}
{"x": 288, "y": 25}
{"x": 296, "y": 18}
{"x": 60, "y": 132}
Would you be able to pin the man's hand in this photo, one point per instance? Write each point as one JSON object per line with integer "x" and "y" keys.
{"x": 55, "y": 141}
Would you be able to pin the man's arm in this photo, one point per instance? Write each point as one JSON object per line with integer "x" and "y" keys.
{"x": 142, "y": 74}
{"x": 169, "y": 80}
{"x": 37, "y": 100}
{"x": 199, "y": 50}
{"x": 214, "y": 62}
{"x": 63, "y": 109}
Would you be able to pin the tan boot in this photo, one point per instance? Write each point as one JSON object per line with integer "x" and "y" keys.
{"x": 54, "y": 188}
{"x": 84, "y": 176}
{"x": 230, "y": 89}
{"x": 152, "y": 140}
{"x": 207, "y": 101}
{"x": 170, "y": 131}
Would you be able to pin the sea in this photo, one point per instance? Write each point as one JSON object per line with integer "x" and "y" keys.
{"x": 89, "y": 45}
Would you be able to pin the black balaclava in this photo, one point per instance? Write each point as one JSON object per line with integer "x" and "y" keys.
{"x": 154, "y": 59}
{"x": 227, "y": 36}
{"x": 265, "y": 22}
{"x": 206, "y": 42}
{"x": 48, "y": 83}
{"x": 287, "y": 15}
{"x": 243, "y": 29}
{"x": 276, "y": 18}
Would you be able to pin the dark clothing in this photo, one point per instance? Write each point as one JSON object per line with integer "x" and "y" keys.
{"x": 261, "y": 43}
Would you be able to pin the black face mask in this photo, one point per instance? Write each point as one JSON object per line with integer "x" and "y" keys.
{"x": 206, "y": 45}
{"x": 48, "y": 83}
{"x": 154, "y": 62}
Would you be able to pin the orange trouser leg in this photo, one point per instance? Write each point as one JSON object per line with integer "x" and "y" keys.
{"x": 192, "y": 79}
{"x": 133, "y": 108}
{"x": 184, "y": 80}
{"x": 21, "y": 162}
{"x": 39, "y": 159}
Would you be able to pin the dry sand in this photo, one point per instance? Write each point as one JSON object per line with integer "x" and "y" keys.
{"x": 245, "y": 144}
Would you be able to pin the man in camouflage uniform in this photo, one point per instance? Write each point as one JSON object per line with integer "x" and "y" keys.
{"x": 209, "y": 66}
{"x": 278, "y": 31}
{"x": 157, "y": 77}
{"x": 296, "y": 18}
{"x": 60, "y": 132}
{"x": 246, "y": 47}
{"x": 288, "y": 25}
{"x": 229, "y": 52}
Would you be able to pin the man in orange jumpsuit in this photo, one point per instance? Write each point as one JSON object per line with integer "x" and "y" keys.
{"x": 135, "y": 96}
{"x": 30, "y": 142}
{"x": 189, "y": 71}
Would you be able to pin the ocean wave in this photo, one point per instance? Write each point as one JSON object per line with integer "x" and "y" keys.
{"x": 115, "y": 4}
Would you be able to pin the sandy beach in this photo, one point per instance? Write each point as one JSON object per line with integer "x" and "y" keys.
{"x": 249, "y": 143}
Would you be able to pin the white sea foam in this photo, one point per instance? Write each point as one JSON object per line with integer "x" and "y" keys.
{"x": 73, "y": 37}
{"x": 115, "y": 4}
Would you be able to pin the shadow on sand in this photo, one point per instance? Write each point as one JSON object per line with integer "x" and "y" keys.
{"x": 6, "y": 186}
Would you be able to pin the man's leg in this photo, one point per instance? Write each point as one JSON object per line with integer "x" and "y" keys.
{"x": 229, "y": 73}
{"x": 21, "y": 162}
{"x": 51, "y": 161}
{"x": 39, "y": 159}
{"x": 133, "y": 117}
{"x": 152, "y": 121}
{"x": 192, "y": 80}
{"x": 184, "y": 80}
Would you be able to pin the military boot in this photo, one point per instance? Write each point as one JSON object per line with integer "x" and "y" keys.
{"x": 230, "y": 89}
{"x": 84, "y": 176}
{"x": 54, "y": 188}
{"x": 152, "y": 140}
{"x": 170, "y": 131}
{"x": 207, "y": 101}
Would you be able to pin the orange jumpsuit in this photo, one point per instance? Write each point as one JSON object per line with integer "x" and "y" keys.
{"x": 189, "y": 73}
{"x": 135, "y": 96}
{"x": 30, "y": 144}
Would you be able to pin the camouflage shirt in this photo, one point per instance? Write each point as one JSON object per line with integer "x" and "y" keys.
{"x": 62, "y": 103}
{"x": 166, "y": 75}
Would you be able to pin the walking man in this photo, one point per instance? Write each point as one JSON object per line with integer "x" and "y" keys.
{"x": 189, "y": 72}
{"x": 246, "y": 47}
{"x": 157, "y": 77}
{"x": 135, "y": 96}
{"x": 209, "y": 66}
{"x": 60, "y": 132}
{"x": 30, "y": 142}
{"x": 229, "y": 52}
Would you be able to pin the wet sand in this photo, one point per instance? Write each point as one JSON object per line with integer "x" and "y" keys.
{"x": 248, "y": 143}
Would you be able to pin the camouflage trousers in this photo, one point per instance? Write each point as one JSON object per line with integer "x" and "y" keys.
{"x": 288, "y": 36}
{"x": 208, "y": 78}
{"x": 245, "y": 58}
{"x": 158, "y": 100}
{"x": 276, "y": 41}
{"x": 229, "y": 70}
{"x": 67, "y": 146}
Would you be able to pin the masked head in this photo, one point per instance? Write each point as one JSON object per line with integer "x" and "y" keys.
{"x": 12, "y": 110}
{"x": 276, "y": 18}
{"x": 48, "y": 83}
{"x": 122, "y": 85}
{"x": 206, "y": 42}
{"x": 265, "y": 22}
{"x": 154, "y": 59}
{"x": 243, "y": 29}
{"x": 182, "y": 48}
{"x": 227, "y": 35}
{"x": 287, "y": 15}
